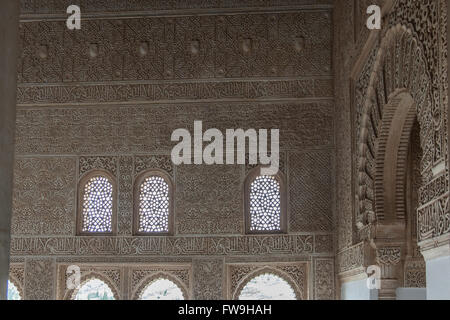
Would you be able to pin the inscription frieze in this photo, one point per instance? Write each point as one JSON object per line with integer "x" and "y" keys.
{"x": 150, "y": 92}
{"x": 164, "y": 246}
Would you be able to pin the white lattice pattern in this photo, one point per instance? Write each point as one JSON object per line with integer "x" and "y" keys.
{"x": 265, "y": 204}
{"x": 154, "y": 205}
{"x": 97, "y": 205}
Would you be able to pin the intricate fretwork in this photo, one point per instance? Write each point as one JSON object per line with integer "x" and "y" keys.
{"x": 77, "y": 130}
{"x": 350, "y": 258}
{"x": 94, "y": 163}
{"x": 97, "y": 205}
{"x": 111, "y": 94}
{"x": 44, "y": 196}
{"x": 40, "y": 278}
{"x": 415, "y": 275}
{"x": 162, "y": 162}
{"x": 226, "y": 46}
{"x": 125, "y": 207}
{"x": 324, "y": 279}
{"x": 265, "y": 204}
{"x": 394, "y": 68}
{"x": 310, "y": 189}
{"x": 214, "y": 208}
{"x": 388, "y": 255}
{"x": 173, "y": 91}
{"x": 268, "y": 245}
{"x": 434, "y": 218}
{"x": 153, "y": 212}
{"x": 206, "y": 284}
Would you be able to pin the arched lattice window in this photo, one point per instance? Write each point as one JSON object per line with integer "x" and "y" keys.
{"x": 267, "y": 286}
{"x": 161, "y": 289}
{"x": 97, "y": 194}
{"x": 94, "y": 289}
{"x": 13, "y": 292}
{"x": 153, "y": 203}
{"x": 265, "y": 203}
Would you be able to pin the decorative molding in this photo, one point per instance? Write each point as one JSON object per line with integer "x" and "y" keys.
{"x": 166, "y": 246}
{"x": 171, "y": 92}
{"x": 136, "y": 129}
{"x": 324, "y": 288}
{"x": 235, "y": 46}
{"x": 57, "y": 8}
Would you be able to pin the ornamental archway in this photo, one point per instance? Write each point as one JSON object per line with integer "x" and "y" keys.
{"x": 398, "y": 93}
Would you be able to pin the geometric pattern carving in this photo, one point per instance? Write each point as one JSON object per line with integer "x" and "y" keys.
{"x": 408, "y": 57}
{"x": 324, "y": 279}
{"x": 310, "y": 189}
{"x": 150, "y": 78}
{"x": 351, "y": 258}
{"x": 208, "y": 278}
{"x": 265, "y": 204}
{"x": 90, "y": 163}
{"x": 142, "y": 163}
{"x": 415, "y": 275}
{"x": 97, "y": 205}
{"x": 215, "y": 208}
{"x": 39, "y": 278}
{"x": 44, "y": 193}
{"x": 163, "y": 93}
{"x": 275, "y": 45}
{"x": 154, "y": 205}
{"x": 125, "y": 205}
{"x": 254, "y": 245}
{"x": 50, "y": 131}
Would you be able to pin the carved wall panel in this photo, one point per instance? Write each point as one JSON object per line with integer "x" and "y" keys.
{"x": 40, "y": 278}
{"x": 310, "y": 188}
{"x": 324, "y": 279}
{"x": 109, "y": 97}
{"x": 415, "y": 275}
{"x": 44, "y": 196}
{"x": 216, "y": 207}
{"x": 344, "y": 35}
{"x": 208, "y": 278}
{"x": 148, "y": 129}
{"x": 159, "y": 48}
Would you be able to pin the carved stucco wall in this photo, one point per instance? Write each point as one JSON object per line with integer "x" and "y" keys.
{"x": 110, "y": 95}
{"x": 425, "y": 22}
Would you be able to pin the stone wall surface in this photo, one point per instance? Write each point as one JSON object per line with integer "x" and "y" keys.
{"x": 110, "y": 95}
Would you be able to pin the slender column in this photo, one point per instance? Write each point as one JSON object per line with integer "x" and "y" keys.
{"x": 9, "y": 32}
